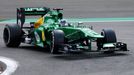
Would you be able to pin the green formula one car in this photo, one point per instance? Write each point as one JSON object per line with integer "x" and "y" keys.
{"x": 51, "y": 31}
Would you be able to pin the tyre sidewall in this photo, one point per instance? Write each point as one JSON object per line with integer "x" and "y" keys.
{"x": 56, "y": 35}
{"x": 14, "y": 32}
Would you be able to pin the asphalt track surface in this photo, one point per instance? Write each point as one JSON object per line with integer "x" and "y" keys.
{"x": 36, "y": 61}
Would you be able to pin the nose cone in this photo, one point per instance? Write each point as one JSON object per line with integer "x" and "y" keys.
{"x": 90, "y": 33}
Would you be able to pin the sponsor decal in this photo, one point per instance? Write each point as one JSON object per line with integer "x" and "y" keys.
{"x": 31, "y": 9}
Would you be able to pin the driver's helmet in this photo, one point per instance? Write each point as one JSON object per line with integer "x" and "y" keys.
{"x": 63, "y": 22}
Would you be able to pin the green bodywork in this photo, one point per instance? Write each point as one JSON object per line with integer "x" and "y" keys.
{"x": 72, "y": 33}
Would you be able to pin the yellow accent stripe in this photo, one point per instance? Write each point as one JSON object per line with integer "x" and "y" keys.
{"x": 43, "y": 36}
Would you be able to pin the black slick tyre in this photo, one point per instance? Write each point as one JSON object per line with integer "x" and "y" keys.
{"x": 57, "y": 39}
{"x": 109, "y": 37}
{"x": 12, "y": 35}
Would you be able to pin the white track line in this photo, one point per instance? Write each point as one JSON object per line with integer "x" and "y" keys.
{"x": 10, "y": 65}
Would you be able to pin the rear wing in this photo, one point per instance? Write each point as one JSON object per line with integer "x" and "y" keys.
{"x": 30, "y": 11}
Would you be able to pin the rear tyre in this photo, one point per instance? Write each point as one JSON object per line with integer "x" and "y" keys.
{"x": 57, "y": 39}
{"x": 12, "y": 35}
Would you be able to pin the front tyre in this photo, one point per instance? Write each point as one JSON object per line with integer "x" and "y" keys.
{"x": 109, "y": 37}
{"x": 12, "y": 35}
{"x": 57, "y": 39}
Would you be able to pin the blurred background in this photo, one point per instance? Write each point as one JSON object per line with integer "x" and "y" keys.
{"x": 73, "y": 8}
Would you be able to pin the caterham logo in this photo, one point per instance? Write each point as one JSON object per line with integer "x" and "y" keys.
{"x": 31, "y": 9}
